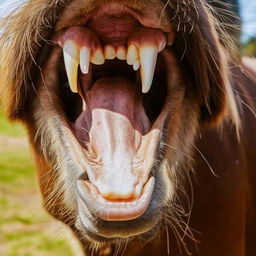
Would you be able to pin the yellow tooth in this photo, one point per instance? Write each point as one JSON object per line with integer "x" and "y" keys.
{"x": 132, "y": 54}
{"x": 85, "y": 60}
{"x": 109, "y": 52}
{"x": 148, "y": 58}
{"x": 121, "y": 53}
{"x": 136, "y": 65}
{"x": 71, "y": 59}
{"x": 97, "y": 57}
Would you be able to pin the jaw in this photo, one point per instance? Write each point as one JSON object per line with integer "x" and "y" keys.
{"x": 104, "y": 174}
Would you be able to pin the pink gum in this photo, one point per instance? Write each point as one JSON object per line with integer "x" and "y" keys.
{"x": 83, "y": 37}
{"x": 148, "y": 36}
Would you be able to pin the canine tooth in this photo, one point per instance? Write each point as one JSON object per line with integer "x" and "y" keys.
{"x": 132, "y": 54}
{"x": 85, "y": 60}
{"x": 148, "y": 57}
{"x": 136, "y": 65}
{"x": 97, "y": 57}
{"x": 109, "y": 52}
{"x": 121, "y": 53}
{"x": 71, "y": 60}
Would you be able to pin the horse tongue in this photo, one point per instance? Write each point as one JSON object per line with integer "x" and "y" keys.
{"x": 114, "y": 119}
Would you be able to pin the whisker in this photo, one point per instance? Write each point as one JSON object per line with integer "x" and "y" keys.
{"x": 206, "y": 161}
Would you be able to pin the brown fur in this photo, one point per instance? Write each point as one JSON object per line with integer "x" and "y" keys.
{"x": 208, "y": 98}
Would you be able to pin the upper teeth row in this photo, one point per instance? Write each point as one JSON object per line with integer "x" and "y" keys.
{"x": 138, "y": 54}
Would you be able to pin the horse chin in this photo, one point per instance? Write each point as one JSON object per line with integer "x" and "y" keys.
{"x": 145, "y": 226}
{"x": 105, "y": 232}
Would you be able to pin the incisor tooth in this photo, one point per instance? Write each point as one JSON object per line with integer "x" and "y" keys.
{"x": 97, "y": 57}
{"x": 109, "y": 52}
{"x": 85, "y": 60}
{"x": 132, "y": 54}
{"x": 148, "y": 58}
{"x": 136, "y": 65}
{"x": 71, "y": 59}
{"x": 121, "y": 53}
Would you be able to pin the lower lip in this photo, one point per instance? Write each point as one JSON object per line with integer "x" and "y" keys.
{"x": 112, "y": 211}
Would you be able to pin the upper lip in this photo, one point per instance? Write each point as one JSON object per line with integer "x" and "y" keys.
{"x": 113, "y": 8}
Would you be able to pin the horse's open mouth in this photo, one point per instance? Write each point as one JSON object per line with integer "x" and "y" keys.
{"x": 119, "y": 76}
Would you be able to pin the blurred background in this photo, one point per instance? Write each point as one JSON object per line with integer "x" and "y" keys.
{"x": 247, "y": 10}
{"x": 25, "y": 229}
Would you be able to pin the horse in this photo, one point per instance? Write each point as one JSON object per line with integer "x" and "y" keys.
{"x": 141, "y": 116}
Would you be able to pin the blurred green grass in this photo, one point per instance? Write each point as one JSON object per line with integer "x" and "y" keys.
{"x": 25, "y": 229}
{"x": 10, "y": 129}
